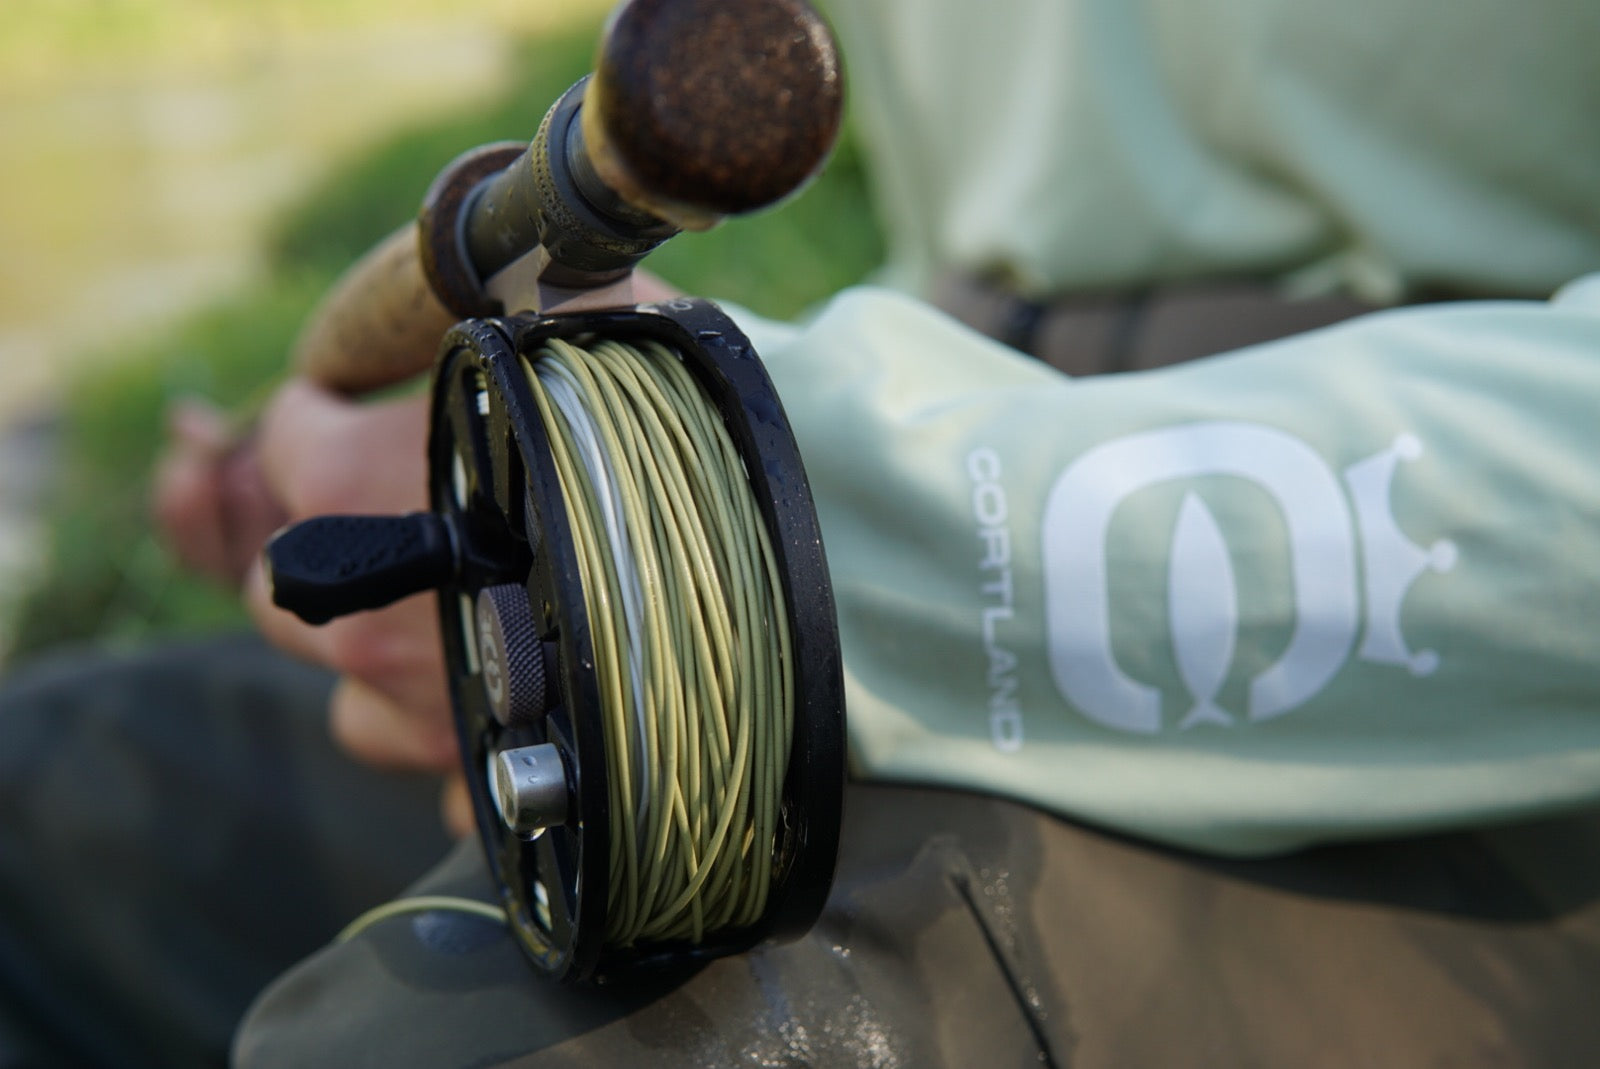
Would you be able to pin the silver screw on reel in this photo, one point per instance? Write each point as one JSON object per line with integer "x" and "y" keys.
{"x": 529, "y": 787}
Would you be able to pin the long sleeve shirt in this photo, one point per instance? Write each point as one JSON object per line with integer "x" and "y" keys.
{"x": 1381, "y": 148}
{"x": 1342, "y": 585}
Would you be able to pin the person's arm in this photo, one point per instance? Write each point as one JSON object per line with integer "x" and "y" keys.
{"x": 1334, "y": 587}
{"x": 1338, "y": 586}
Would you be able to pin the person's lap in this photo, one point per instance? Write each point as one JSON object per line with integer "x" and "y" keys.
{"x": 177, "y": 831}
{"x": 968, "y": 931}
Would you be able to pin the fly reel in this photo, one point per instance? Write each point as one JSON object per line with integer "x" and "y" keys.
{"x": 521, "y": 649}
{"x": 530, "y": 592}
{"x": 638, "y": 623}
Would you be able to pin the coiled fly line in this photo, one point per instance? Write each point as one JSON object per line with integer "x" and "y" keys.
{"x": 691, "y": 642}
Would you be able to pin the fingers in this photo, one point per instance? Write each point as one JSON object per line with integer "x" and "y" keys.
{"x": 395, "y": 651}
{"x": 392, "y": 707}
{"x": 648, "y": 288}
{"x": 251, "y": 512}
{"x": 373, "y": 728}
{"x": 187, "y": 495}
{"x": 323, "y": 453}
{"x": 209, "y": 497}
{"x": 455, "y": 805}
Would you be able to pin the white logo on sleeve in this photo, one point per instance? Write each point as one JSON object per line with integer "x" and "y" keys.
{"x": 1324, "y": 533}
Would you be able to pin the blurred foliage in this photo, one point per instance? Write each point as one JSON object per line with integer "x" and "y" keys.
{"x": 55, "y": 40}
{"x": 110, "y": 581}
{"x": 775, "y": 263}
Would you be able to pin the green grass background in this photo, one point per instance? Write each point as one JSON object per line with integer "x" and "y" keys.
{"x": 109, "y": 580}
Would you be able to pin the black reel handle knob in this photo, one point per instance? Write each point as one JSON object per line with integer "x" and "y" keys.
{"x": 332, "y": 566}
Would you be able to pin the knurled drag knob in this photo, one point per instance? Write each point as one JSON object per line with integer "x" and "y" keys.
{"x": 512, "y": 655}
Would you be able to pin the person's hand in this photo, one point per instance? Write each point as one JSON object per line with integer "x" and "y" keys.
{"x": 319, "y": 453}
{"x": 218, "y": 497}
{"x": 209, "y": 498}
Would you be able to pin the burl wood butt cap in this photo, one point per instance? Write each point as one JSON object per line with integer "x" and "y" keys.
{"x": 705, "y": 108}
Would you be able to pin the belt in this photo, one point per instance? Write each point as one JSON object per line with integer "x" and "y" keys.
{"x": 1102, "y": 334}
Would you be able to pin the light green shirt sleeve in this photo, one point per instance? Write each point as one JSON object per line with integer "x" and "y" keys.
{"x": 1374, "y": 147}
{"x": 1340, "y": 585}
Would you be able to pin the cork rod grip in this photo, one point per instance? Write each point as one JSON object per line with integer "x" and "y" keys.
{"x": 380, "y": 323}
{"x": 698, "y": 109}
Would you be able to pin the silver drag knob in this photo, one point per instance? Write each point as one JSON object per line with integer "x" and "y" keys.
{"x": 529, "y": 787}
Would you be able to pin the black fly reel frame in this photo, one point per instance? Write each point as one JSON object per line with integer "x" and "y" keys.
{"x": 520, "y": 643}
{"x": 638, "y": 623}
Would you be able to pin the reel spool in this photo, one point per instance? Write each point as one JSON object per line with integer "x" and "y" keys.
{"x": 535, "y": 749}
{"x": 699, "y": 109}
